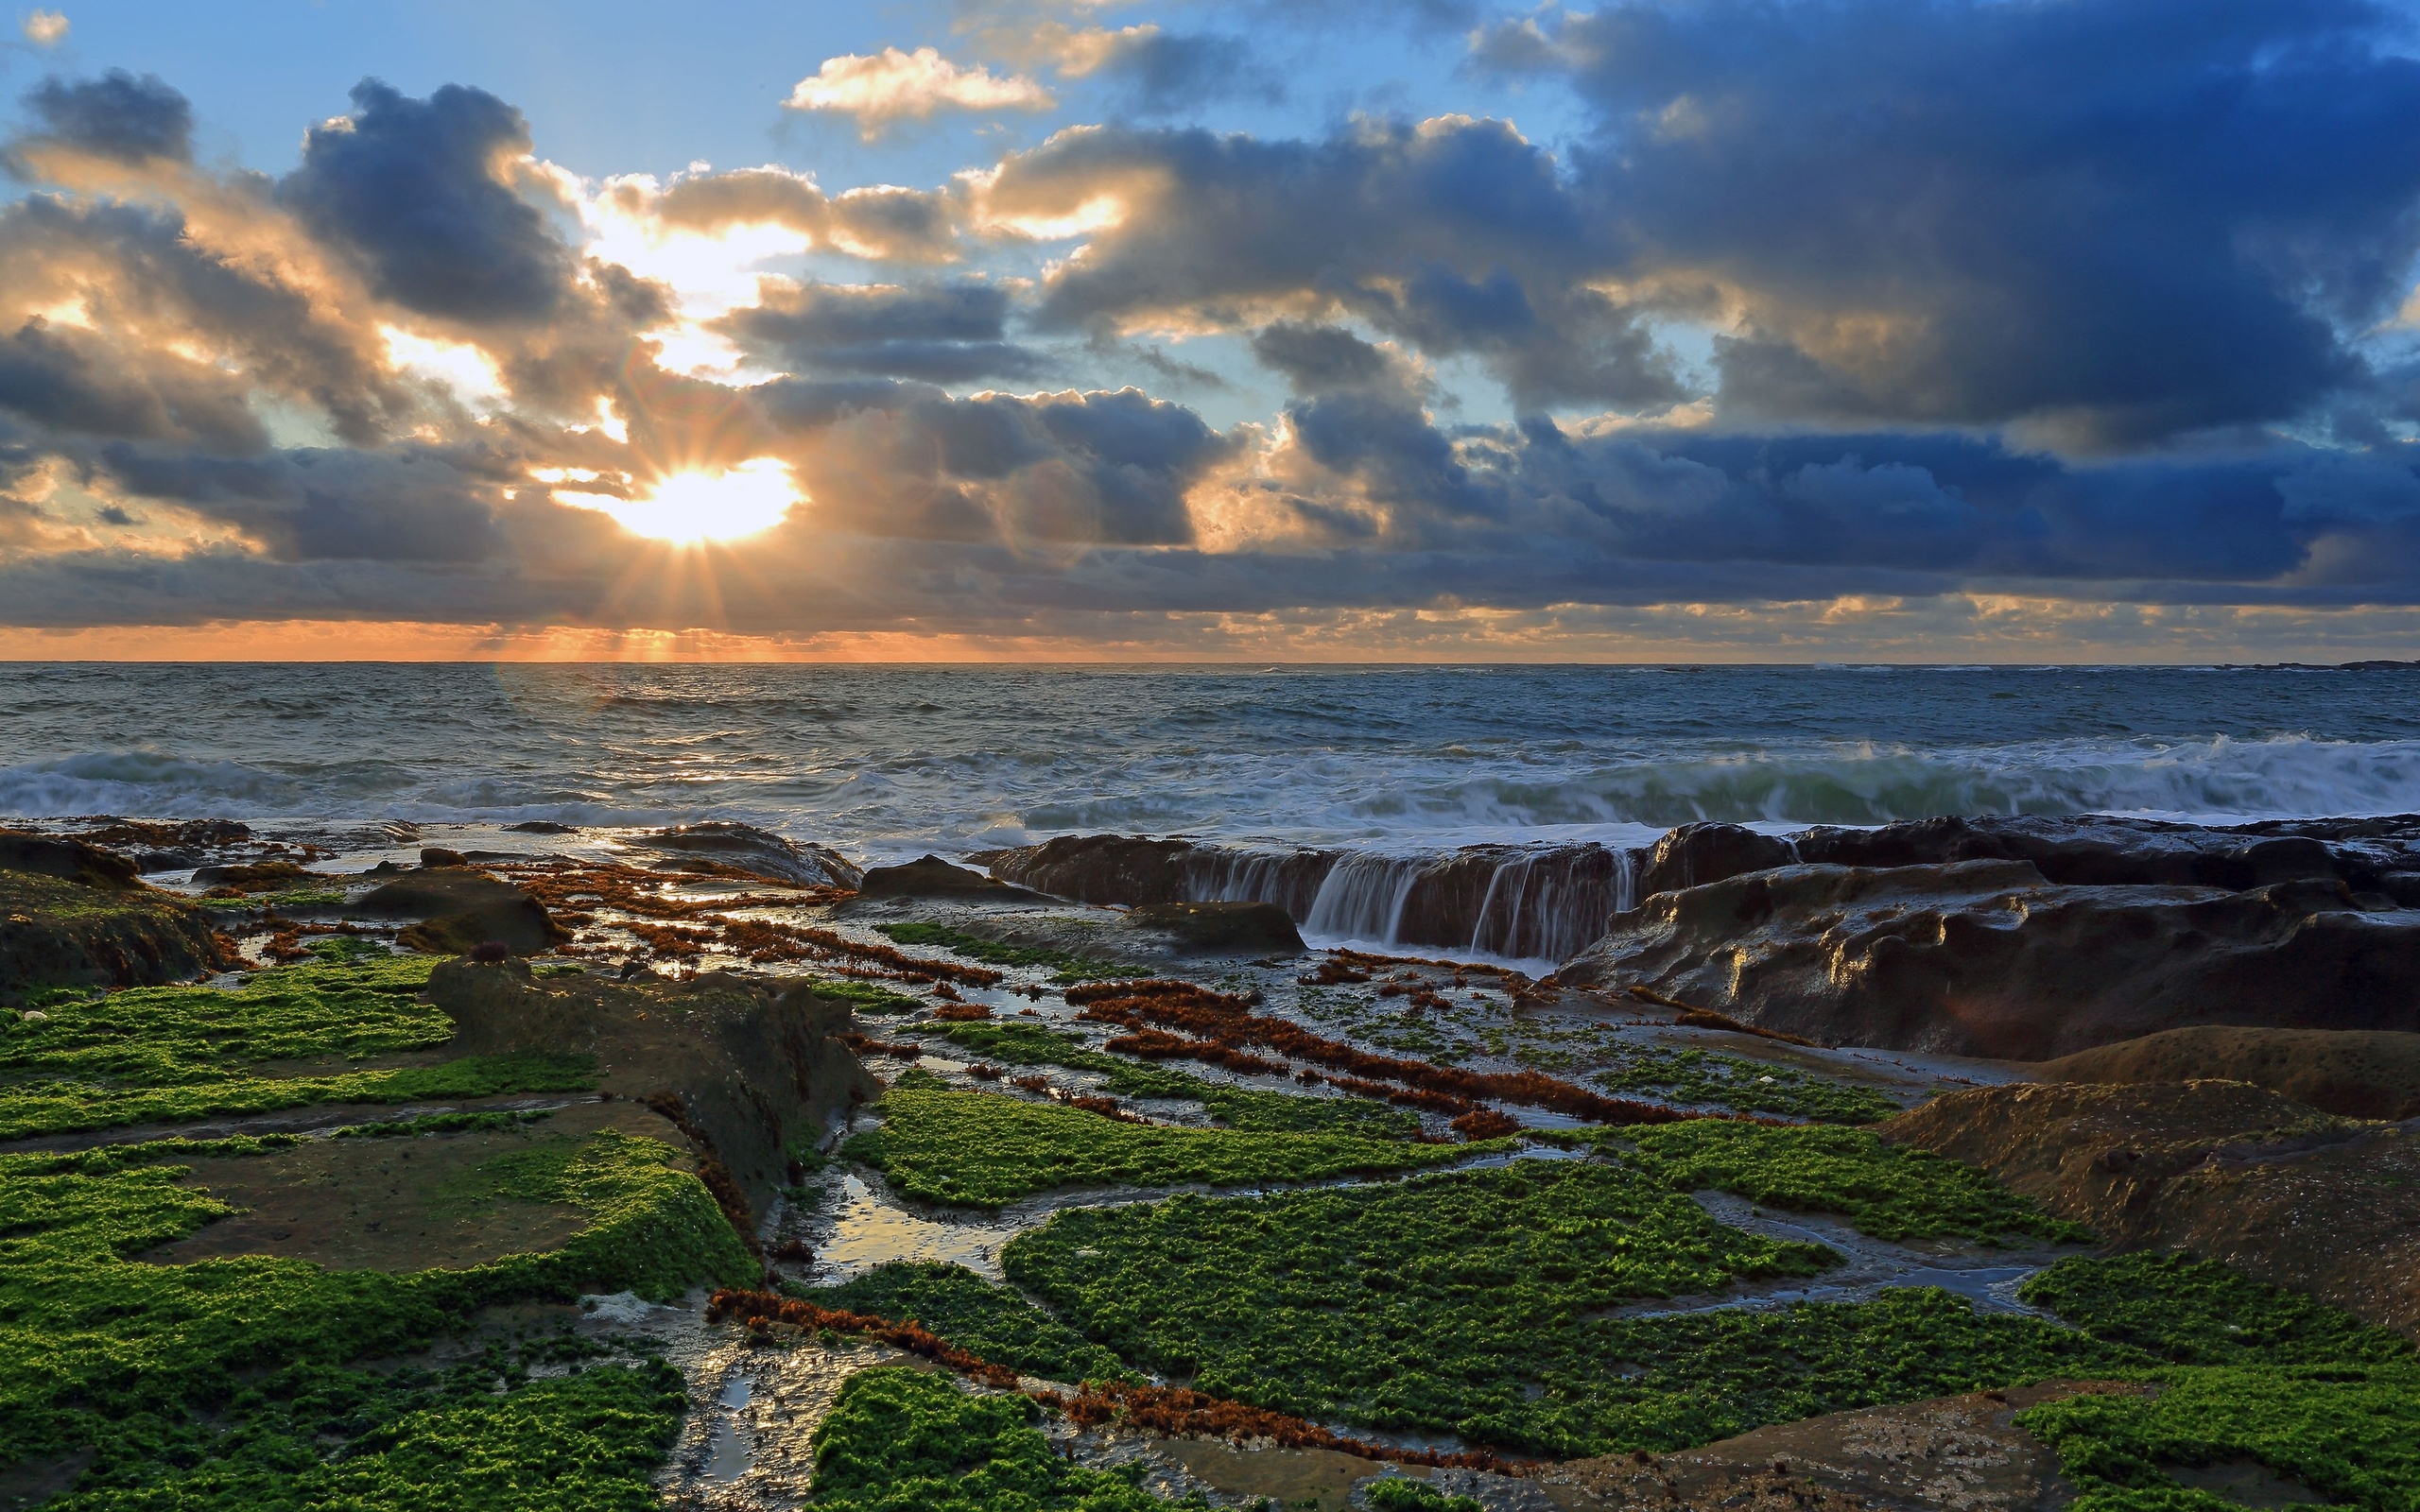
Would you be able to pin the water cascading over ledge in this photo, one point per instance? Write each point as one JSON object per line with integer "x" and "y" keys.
{"x": 1543, "y": 903}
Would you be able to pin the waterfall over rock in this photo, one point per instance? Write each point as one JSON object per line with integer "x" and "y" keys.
{"x": 1531, "y": 903}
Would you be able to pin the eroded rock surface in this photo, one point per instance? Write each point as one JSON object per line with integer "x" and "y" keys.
{"x": 460, "y": 908}
{"x": 751, "y": 1068}
{"x": 2360, "y": 1074}
{"x": 717, "y": 847}
{"x": 2301, "y": 1200}
{"x": 1951, "y": 1455}
{"x": 932, "y": 877}
{"x": 1098, "y": 869}
{"x": 2101, "y": 849}
{"x": 75, "y": 916}
{"x": 1222, "y": 929}
{"x": 1988, "y": 958}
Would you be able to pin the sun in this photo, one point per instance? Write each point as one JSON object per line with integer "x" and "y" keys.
{"x": 689, "y": 508}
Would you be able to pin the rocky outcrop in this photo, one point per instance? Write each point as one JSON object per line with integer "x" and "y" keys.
{"x": 459, "y": 909}
{"x": 932, "y": 877}
{"x": 75, "y": 917}
{"x": 1695, "y": 854}
{"x": 1128, "y": 871}
{"x": 2301, "y": 1200}
{"x": 720, "y": 848}
{"x": 1221, "y": 929}
{"x": 48, "y": 856}
{"x": 258, "y": 876}
{"x": 1965, "y": 1453}
{"x": 751, "y": 1071}
{"x": 156, "y": 845}
{"x": 1535, "y": 903}
{"x": 2100, "y": 851}
{"x": 2359, "y": 1074}
{"x": 1988, "y": 958}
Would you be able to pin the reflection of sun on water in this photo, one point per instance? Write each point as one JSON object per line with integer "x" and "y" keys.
{"x": 690, "y": 508}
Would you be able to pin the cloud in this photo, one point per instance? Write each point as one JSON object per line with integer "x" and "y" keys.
{"x": 941, "y": 333}
{"x": 419, "y": 191}
{"x": 227, "y": 395}
{"x": 1163, "y": 73}
{"x": 876, "y": 221}
{"x": 885, "y": 88}
{"x": 43, "y": 29}
{"x": 152, "y": 285}
{"x": 72, "y": 382}
{"x": 1456, "y": 234}
{"x": 116, "y": 115}
{"x": 2105, "y": 223}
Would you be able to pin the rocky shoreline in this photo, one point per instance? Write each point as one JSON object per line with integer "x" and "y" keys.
{"x": 1939, "y": 1091}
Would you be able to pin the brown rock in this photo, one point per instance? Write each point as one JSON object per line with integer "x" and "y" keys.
{"x": 1100, "y": 869}
{"x": 1695, "y": 854}
{"x": 57, "y": 929}
{"x": 721, "y": 848}
{"x": 1950, "y": 1455}
{"x": 752, "y": 1070}
{"x": 2301, "y": 1200}
{"x": 1222, "y": 929}
{"x": 932, "y": 877}
{"x": 1988, "y": 958}
{"x": 70, "y": 860}
{"x": 461, "y": 908}
{"x": 2371, "y": 1073}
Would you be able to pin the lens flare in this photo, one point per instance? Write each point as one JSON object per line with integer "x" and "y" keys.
{"x": 688, "y": 508}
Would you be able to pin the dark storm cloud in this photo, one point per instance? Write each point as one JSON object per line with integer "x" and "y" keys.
{"x": 1160, "y": 73}
{"x": 160, "y": 284}
{"x": 71, "y": 381}
{"x": 304, "y": 505}
{"x": 947, "y": 333}
{"x": 1318, "y": 357}
{"x": 1457, "y": 235}
{"x": 2117, "y": 220}
{"x": 416, "y": 189}
{"x": 908, "y": 461}
{"x": 1217, "y": 222}
{"x": 117, "y": 116}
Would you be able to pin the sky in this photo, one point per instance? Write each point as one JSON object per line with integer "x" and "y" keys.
{"x": 1332, "y": 330}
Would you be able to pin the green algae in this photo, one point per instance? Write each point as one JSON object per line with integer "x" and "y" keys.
{"x": 1884, "y": 1190}
{"x": 984, "y": 1149}
{"x": 478, "y": 1435}
{"x": 291, "y": 898}
{"x": 971, "y": 1314}
{"x": 53, "y": 1107}
{"x": 161, "y": 1035}
{"x": 1705, "y": 1078}
{"x": 1243, "y": 1107}
{"x": 905, "y": 1441}
{"x": 1069, "y": 965}
{"x": 159, "y": 1055}
{"x": 164, "y": 1368}
{"x": 1489, "y": 1304}
{"x": 440, "y": 1123}
{"x": 865, "y": 997}
{"x": 2267, "y": 1376}
{"x": 1398, "y": 1493}
{"x": 2351, "y": 1435}
{"x": 2201, "y": 1312}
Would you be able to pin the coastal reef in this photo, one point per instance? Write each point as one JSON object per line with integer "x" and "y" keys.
{"x": 75, "y": 916}
{"x": 704, "y": 1169}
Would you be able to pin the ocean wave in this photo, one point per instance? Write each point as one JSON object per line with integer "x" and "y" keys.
{"x": 1373, "y": 759}
{"x": 2218, "y": 780}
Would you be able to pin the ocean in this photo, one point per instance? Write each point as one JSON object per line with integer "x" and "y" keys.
{"x": 886, "y": 763}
